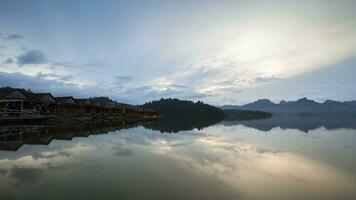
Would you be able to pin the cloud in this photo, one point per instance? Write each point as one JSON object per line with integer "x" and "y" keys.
{"x": 13, "y": 36}
{"x": 2, "y": 47}
{"x": 39, "y": 83}
{"x": 265, "y": 79}
{"x": 62, "y": 86}
{"x": 26, "y": 175}
{"x": 54, "y": 76}
{"x": 32, "y": 57}
{"x": 214, "y": 75}
{"x": 268, "y": 151}
{"x": 95, "y": 63}
{"x": 149, "y": 92}
{"x": 122, "y": 152}
{"x": 65, "y": 64}
{"x": 87, "y": 66}
{"x": 121, "y": 81}
{"x": 8, "y": 61}
{"x": 124, "y": 78}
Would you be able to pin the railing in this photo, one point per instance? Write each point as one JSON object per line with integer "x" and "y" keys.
{"x": 13, "y": 112}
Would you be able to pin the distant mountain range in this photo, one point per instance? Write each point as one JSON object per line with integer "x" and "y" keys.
{"x": 303, "y": 105}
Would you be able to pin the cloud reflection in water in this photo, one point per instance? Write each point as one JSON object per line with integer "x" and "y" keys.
{"x": 219, "y": 154}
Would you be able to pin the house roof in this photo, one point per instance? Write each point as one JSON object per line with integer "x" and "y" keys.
{"x": 82, "y": 101}
{"x": 67, "y": 99}
{"x": 94, "y": 102}
{"x": 6, "y": 92}
{"x": 41, "y": 95}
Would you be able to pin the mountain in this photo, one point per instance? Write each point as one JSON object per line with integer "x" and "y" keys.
{"x": 178, "y": 115}
{"x": 303, "y": 105}
{"x": 181, "y": 108}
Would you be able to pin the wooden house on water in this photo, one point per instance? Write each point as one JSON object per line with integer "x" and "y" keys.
{"x": 19, "y": 104}
{"x": 85, "y": 106}
{"x": 65, "y": 106}
{"x": 24, "y": 105}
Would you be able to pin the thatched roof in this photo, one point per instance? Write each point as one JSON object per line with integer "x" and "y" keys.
{"x": 67, "y": 100}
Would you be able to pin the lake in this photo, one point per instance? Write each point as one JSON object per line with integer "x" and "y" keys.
{"x": 304, "y": 157}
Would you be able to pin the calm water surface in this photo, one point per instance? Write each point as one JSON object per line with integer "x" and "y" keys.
{"x": 223, "y": 161}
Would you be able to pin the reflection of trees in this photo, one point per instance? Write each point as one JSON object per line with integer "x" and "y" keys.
{"x": 176, "y": 124}
{"x": 232, "y": 115}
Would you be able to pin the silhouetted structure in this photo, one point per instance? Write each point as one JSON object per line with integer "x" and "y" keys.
{"x": 19, "y": 104}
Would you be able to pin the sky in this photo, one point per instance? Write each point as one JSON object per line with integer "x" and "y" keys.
{"x": 220, "y": 52}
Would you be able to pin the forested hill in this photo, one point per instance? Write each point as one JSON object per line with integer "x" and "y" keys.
{"x": 303, "y": 105}
{"x": 102, "y": 100}
{"x": 181, "y": 108}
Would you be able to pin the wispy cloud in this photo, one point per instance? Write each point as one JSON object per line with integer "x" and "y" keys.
{"x": 124, "y": 78}
{"x": 13, "y": 36}
{"x": 10, "y": 36}
{"x": 54, "y": 76}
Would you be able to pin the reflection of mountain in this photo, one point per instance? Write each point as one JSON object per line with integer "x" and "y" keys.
{"x": 176, "y": 124}
{"x": 300, "y": 106}
{"x": 13, "y": 137}
{"x": 301, "y": 122}
{"x": 232, "y": 115}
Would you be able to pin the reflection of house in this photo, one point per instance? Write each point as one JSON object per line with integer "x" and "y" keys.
{"x": 39, "y": 139}
{"x": 11, "y": 146}
{"x": 64, "y": 136}
{"x": 13, "y": 137}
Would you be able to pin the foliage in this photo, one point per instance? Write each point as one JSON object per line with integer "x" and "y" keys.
{"x": 182, "y": 108}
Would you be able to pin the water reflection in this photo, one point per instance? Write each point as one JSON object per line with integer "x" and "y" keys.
{"x": 217, "y": 162}
{"x": 304, "y": 123}
{"x": 176, "y": 124}
{"x": 14, "y": 136}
